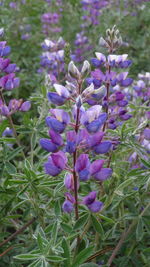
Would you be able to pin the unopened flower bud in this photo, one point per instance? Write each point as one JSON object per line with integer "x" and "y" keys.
{"x": 79, "y": 101}
{"x": 88, "y": 91}
{"x": 102, "y": 42}
{"x": 108, "y": 32}
{"x": 117, "y": 32}
{"x": 101, "y": 90}
{"x": 85, "y": 69}
{"x": 120, "y": 41}
{"x": 1, "y": 32}
{"x": 73, "y": 71}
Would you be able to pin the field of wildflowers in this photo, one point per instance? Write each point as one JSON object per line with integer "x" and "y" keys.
{"x": 74, "y": 133}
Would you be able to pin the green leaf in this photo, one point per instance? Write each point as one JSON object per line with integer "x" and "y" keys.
{"x": 27, "y": 257}
{"x": 145, "y": 163}
{"x": 80, "y": 222}
{"x": 98, "y": 227}
{"x": 139, "y": 230}
{"x": 109, "y": 220}
{"x": 40, "y": 242}
{"x": 54, "y": 233}
{"x": 82, "y": 256}
{"x": 10, "y": 168}
{"x": 55, "y": 258}
{"x": 37, "y": 263}
{"x": 57, "y": 208}
{"x": 67, "y": 228}
{"x": 14, "y": 153}
{"x": 66, "y": 253}
{"x": 7, "y": 139}
{"x": 124, "y": 184}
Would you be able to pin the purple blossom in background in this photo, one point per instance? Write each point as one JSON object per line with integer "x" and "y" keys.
{"x": 8, "y": 82}
{"x": 13, "y": 5}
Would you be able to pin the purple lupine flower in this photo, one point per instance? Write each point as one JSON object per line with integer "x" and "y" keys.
{"x": 4, "y": 110}
{"x": 9, "y": 81}
{"x": 60, "y": 97}
{"x": 7, "y": 132}
{"x": 58, "y": 121}
{"x": 10, "y": 68}
{"x": 13, "y": 5}
{"x": 91, "y": 202}
{"x": 82, "y": 167}
{"x": 103, "y": 147}
{"x": 147, "y": 133}
{"x": 95, "y": 139}
{"x": 69, "y": 182}
{"x": 71, "y": 141}
{"x": 4, "y": 62}
{"x": 53, "y": 144}
{"x": 68, "y": 204}
{"x": 25, "y": 106}
{"x": 56, "y": 163}
{"x": 95, "y": 143}
{"x": 93, "y": 119}
{"x": 4, "y": 50}
{"x": 99, "y": 173}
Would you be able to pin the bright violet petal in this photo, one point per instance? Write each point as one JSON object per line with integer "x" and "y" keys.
{"x": 55, "y": 125}
{"x": 103, "y": 148}
{"x": 56, "y": 99}
{"x": 56, "y": 138}
{"x": 59, "y": 159}
{"x": 90, "y": 198}
{"x": 51, "y": 169}
{"x": 67, "y": 206}
{"x": 103, "y": 174}
{"x": 96, "y": 206}
{"x": 96, "y": 166}
{"x": 61, "y": 90}
{"x": 48, "y": 145}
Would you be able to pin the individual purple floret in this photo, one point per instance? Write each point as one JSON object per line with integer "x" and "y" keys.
{"x": 68, "y": 205}
{"x": 56, "y": 163}
{"x": 98, "y": 172}
{"x": 58, "y": 121}
{"x": 91, "y": 202}
{"x": 53, "y": 144}
{"x": 82, "y": 167}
